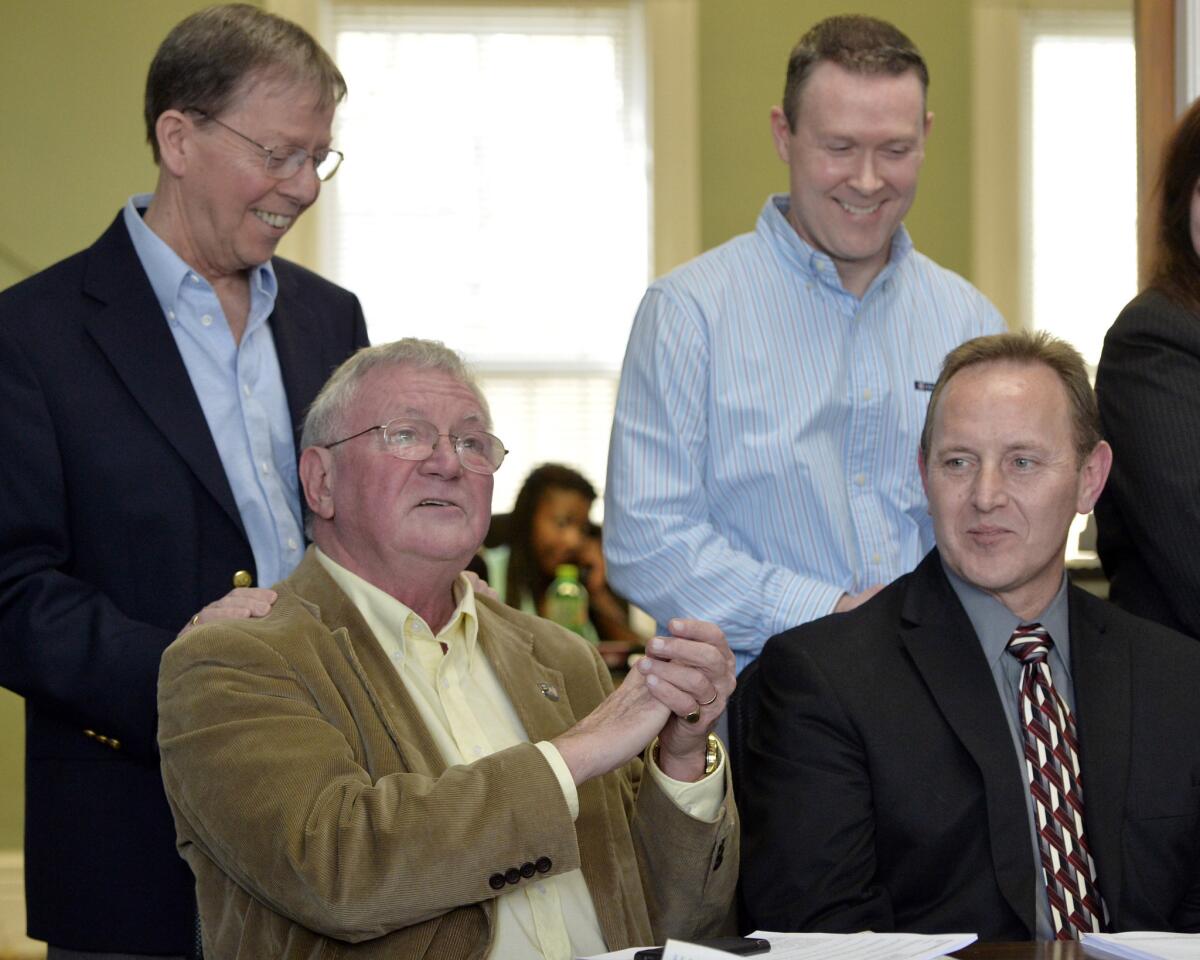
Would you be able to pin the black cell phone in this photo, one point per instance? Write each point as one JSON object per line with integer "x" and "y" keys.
{"x": 742, "y": 946}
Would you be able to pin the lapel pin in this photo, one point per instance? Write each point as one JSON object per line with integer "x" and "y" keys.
{"x": 549, "y": 690}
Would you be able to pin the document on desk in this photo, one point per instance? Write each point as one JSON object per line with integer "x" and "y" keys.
{"x": 1143, "y": 945}
{"x": 837, "y": 946}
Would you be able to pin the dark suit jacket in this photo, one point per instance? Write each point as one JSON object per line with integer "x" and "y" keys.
{"x": 117, "y": 524}
{"x": 1148, "y": 519}
{"x": 884, "y": 791}
{"x": 314, "y": 805}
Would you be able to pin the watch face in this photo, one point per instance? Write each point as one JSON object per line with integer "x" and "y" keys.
{"x": 712, "y": 754}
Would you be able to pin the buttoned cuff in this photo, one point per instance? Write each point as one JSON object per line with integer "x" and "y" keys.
{"x": 563, "y": 773}
{"x": 701, "y": 800}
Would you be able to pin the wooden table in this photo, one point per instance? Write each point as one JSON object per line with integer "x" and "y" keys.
{"x": 1039, "y": 950}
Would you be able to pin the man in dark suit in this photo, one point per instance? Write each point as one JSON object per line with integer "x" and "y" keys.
{"x": 983, "y": 746}
{"x": 152, "y": 386}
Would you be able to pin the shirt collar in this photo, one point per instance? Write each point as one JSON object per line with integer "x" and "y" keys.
{"x": 774, "y": 225}
{"x": 387, "y": 616}
{"x": 165, "y": 269}
{"x": 994, "y": 622}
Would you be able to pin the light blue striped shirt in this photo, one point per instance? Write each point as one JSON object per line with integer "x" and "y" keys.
{"x": 764, "y": 449}
{"x": 240, "y": 389}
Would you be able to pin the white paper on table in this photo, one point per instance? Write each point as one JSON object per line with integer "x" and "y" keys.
{"x": 862, "y": 946}
{"x": 673, "y": 950}
{"x": 829, "y": 946}
{"x": 1143, "y": 945}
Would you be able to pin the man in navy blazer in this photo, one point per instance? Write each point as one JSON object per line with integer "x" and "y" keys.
{"x": 151, "y": 387}
{"x": 888, "y": 782}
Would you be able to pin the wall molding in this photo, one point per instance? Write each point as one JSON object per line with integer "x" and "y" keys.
{"x": 14, "y": 945}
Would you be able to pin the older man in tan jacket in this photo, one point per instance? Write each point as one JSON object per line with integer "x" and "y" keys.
{"x": 391, "y": 765}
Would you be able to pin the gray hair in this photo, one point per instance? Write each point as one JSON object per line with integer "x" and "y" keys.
{"x": 325, "y": 419}
{"x": 206, "y": 58}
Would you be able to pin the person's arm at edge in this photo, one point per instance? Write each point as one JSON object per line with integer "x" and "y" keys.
{"x": 807, "y": 855}
{"x": 663, "y": 552}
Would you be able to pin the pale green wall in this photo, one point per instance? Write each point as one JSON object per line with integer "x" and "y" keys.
{"x": 72, "y": 149}
{"x": 743, "y": 59}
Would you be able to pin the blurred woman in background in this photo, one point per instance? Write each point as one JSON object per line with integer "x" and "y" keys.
{"x": 1148, "y": 385}
{"x": 550, "y": 526}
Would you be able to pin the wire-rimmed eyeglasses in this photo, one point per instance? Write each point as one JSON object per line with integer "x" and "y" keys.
{"x": 282, "y": 163}
{"x": 477, "y": 450}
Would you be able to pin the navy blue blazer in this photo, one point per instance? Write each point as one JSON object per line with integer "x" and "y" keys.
{"x": 117, "y": 524}
{"x": 883, "y": 791}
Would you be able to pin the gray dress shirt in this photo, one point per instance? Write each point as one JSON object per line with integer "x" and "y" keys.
{"x": 994, "y": 624}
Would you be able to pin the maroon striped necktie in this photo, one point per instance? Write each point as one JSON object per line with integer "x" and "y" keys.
{"x": 1052, "y": 762}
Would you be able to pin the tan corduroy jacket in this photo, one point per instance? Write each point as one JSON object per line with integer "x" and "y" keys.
{"x": 320, "y": 820}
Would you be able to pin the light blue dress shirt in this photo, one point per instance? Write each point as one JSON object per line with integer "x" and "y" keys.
{"x": 240, "y": 389}
{"x": 764, "y": 449}
{"x": 994, "y": 624}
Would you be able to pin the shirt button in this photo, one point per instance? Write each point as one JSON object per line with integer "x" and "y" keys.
{"x": 875, "y": 558}
{"x": 193, "y": 278}
{"x": 867, "y": 394}
{"x": 478, "y": 751}
{"x": 170, "y": 314}
{"x": 266, "y": 469}
{"x": 397, "y": 655}
{"x": 246, "y": 389}
{"x": 860, "y": 479}
{"x": 445, "y": 684}
{"x": 206, "y": 320}
{"x": 291, "y": 542}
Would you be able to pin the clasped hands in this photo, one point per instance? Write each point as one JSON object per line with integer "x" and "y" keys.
{"x": 676, "y": 692}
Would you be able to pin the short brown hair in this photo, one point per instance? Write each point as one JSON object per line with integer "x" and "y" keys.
{"x": 206, "y": 57}
{"x": 1176, "y": 269}
{"x": 1026, "y": 348}
{"x": 855, "y": 43}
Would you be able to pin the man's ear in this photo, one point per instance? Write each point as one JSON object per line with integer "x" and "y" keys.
{"x": 316, "y": 477}
{"x": 1092, "y": 477}
{"x": 781, "y": 133}
{"x": 173, "y": 130}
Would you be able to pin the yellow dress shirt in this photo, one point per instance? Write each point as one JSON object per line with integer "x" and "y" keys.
{"x": 470, "y": 716}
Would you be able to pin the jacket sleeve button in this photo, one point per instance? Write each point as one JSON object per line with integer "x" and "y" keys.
{"x": 496, "y": 881}
{"x": 528, "y": 869}
{"x": 543, "y": 864}
{"x": 512, "y": 875}
{"x": 243, "y": 579}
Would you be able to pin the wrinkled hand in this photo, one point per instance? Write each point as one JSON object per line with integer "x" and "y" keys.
{"x": 848, "y": 601}
{"x": 614, "y": 733}
{"x": 480, "y": 586}
{"x": 690, "y": 671}
{"x": 241, "y": 603}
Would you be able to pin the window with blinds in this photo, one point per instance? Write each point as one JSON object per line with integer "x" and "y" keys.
{"x": 496, "y": 197}
{"x": 1082, "y": 205}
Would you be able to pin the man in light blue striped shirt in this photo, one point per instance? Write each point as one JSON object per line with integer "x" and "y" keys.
{"x": 763, "y": 463}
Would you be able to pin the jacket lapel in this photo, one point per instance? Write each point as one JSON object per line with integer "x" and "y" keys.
{"x": 1100, "y": 669}
{"x": 942, "y": 643}
{"x": 536, "y": 691}
{"x": 389, "y": 697}
{"x": 297, "y": 345}
{"x": 132, "y": 333}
